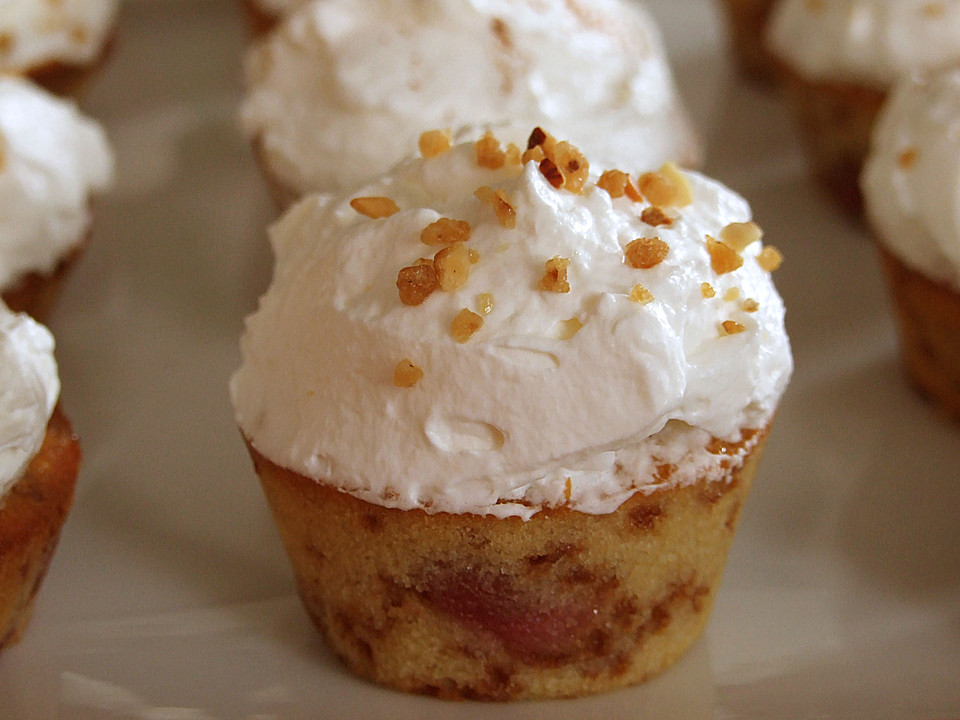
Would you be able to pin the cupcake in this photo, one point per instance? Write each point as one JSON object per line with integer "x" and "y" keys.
{"x": 265, "y": 14}
{"x": 506, "y": 414}
{"x": 911, "y": 186}
{"x": 53, "y": 160}
{"x": 341, "y": 90}
{"x": 747, "y": 21}
{"x": 839, "y": 59}
{"x": 39, "y": 459}
{"x": 56, "y": 43}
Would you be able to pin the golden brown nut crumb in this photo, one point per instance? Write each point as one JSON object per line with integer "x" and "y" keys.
{"x": 770, "y": 258}
{"x": 415, "y": 283}
{"x": 488, "y": 152}
{"x": 555, "y": 275}
{"x": 614, "y": 182}
{"x": 452, "y": 265}
{"x": 668, "y": 187}
{"x": 568, "y": 328}
{"x": 485, "y": 303}
{"x": 374, "y": 207}
{"x": 641, "y": 295}
{"x": 500, "y": 203}
{"x": 541, "y": 138}
{"x": 750, "y": 305}
{"x": 534, "y": 154}
{"x": 731, "y": 294}
{"x": 568, "y": 489}
{"x": 740, "y": 235}
{"x": 706, "y": 289}
{"x": 423, "y": 261}
{"x": 464, "y": 325}
{"x": 474, "y": 256}
{"x": 435, "y": 142}
{"x": 550, "y": 171}
{"x": 445, "y": 231}
{"x": 655, "y": 216}
{"x": 513, "y": 155}
{"x": 731, "y": 327}
{"x": 723, "y": 258}
{"x": 573, "y": 165}
{"x": 406, "y": 374}
{"x": 645, "y": 253}
{"x": 907, "y": 158}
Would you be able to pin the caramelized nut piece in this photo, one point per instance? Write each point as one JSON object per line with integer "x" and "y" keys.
{"x": 655, "y": 216}
{"x": 770, "y": 258}
{"x": 723, "y": 258}
{"x": 485, "y": 303}
{"x": 668, "y": 187}
{"x": 750, "y": 305}
{"x": 549, "y": 170}
{"x": 555, "y": 276}
{"x": 474, "y": 256}
{"x": 641, "y": 295}
{"x": 374, "y": 207}
{"x": 406, "y": 374}
{"x": 500, "y": 203}
{"x": 731, "y": 294}
{"x": 644, "y": 253}
{"x": 445, "y": 231}
{"x": 452, "y": 265}
{"x": 513, "y": 156}
{"x": 415, "y": 283}
{"x": 464, "y": 325}
{"x": 435, "y": 142}
{"x": 706, "y": 289}
{"x": 614, "y": 182}
{"x": 740, "y": 235}
{"x": 488, "y": 152}
{"x": 573, "y": 165}
{"x": 731, "y": 327}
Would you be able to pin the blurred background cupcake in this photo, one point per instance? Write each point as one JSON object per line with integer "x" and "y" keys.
{"x": 839, "y": 59}
{"x": 341, "y": 90}
{"x": 265, "y": 14}
{"x": 747, "y": 22}
{"x": 53, "y": 161}
{"x": 911, "y": 186}
{"x": 57, "y": 43}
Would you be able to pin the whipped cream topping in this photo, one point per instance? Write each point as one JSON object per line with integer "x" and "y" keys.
{"x": 911, "y": 180}
{"x": 864, "y": 41}
{"x": 560, "y": 396}
{"x": 341, "y": 90}
{"x": 34, "y": 33}
{"x": 52, "y": 159}
{"x": 29, "y": 388}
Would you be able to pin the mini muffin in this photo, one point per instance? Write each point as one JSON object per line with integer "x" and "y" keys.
{"x": 39, "y": 460}
{"x": 53, "y": 160}
{"x": 57, "y": 43}
{"x": 747, "y": 21}
{"x": 911, "y": 183}
{"x": 839, "y": 59}
{"x": 341, "y": 91}
{"x": 506, "y": 410}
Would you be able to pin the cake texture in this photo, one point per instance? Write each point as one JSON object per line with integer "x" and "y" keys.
{"x": 39, "y": 460}
{"x": 54, "y": 162}
{"x": 838, "y": 60}
{"x": 911, "y": 184}
{"x": 506, "y": 408}
{"x": 57, "y": 44}
{"x": 373, "y": 76}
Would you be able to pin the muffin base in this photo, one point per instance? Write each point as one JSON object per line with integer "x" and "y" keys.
{"x": 31, "y": 517}
{"x": 835, "y": 121}
{"x": 747, "y": 22}
{"x": 477, "y": 607}
{"x": 928, "y": 321}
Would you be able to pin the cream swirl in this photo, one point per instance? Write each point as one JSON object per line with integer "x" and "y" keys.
{"x": 558, "y": 394}
{"x": 29, "y": 388}
{"x": 52, "y": 161}
{"x": 911, "y": 180}
{"x": 864, "y": 40}
{"x": 342, "y": 89}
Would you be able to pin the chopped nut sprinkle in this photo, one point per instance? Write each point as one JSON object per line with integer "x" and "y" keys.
{"x": 555, "y": 276}
{"x": 573, "y": 165}
{"x": 452, "y": 265}
{"x": 534, "y": 154}
{"x": 706, "y": 289}
{"x": 655, "y": 216}
{"x": 489, "y": 153}
{"x": 540, "y": 138}
{"x": 485, "y": 303}
{"x": 464, "y": 325}
{"x": 750, "y": 305}
{"x": 907, "y": 158}
{"x": 723, "y": 258}
{"x": 445, "y": 231}
{"x": 374, "y": 207}
{"x": 566, "y": 329}
{"x": 406, "y": 374}
{"x": 549, "y": 169}
{"x": 731, "y": 327}
{"x": 731, "y": 294}
{"x": 740, "y": 235}
{"x": 435, "y": 142}
{"x": 641, "y": 295}
{"x": 423, "y": 261}
{"x": 500, "y": 203}
{"x": 770, "y": 258}
{"x": 645, "y": 253}
{"x": 568, "y": 489}
{"x": 513, "y": 155}
{"x": 668, "y": 187}
{"x": 415, "y": 283}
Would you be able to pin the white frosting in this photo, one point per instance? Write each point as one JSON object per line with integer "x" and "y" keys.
{"x": 29, "y": 387}
{"x": 52, "y": 159}
{"x": 343, "y": 89}
{"x": 869, "y": 41}
{"x": 499, "y": 423}
{"x": 911, "y": 180}
{"x": 37, "y": 32}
